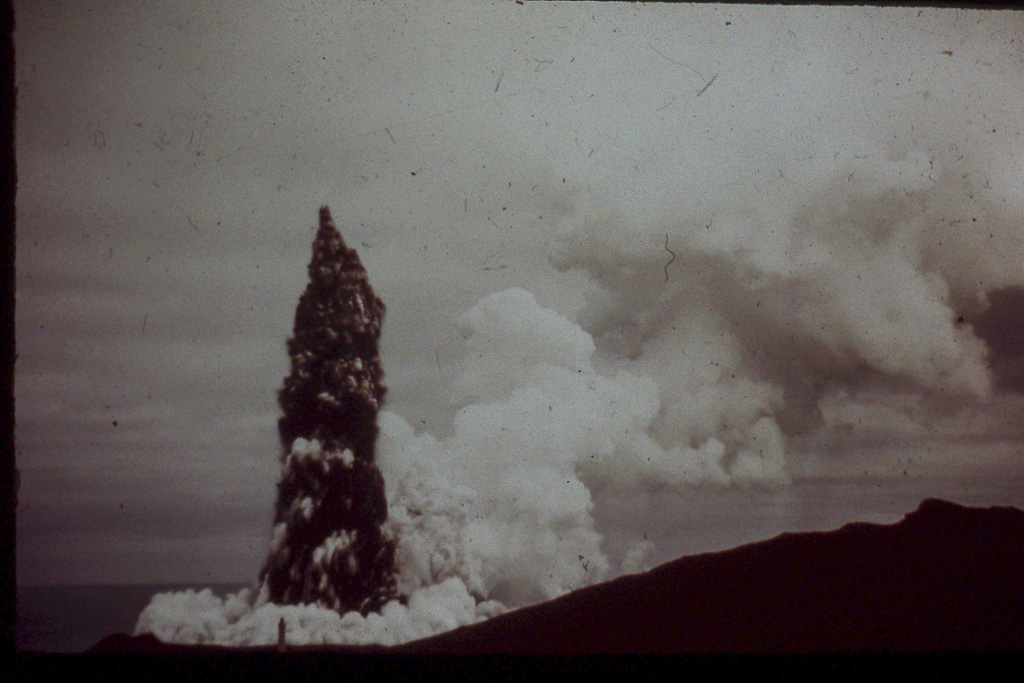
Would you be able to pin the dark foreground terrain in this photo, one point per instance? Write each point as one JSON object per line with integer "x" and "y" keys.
{"x": 945, "y": 578}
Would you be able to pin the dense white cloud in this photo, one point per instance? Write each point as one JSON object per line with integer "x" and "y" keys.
{"x": 239, "y": 619}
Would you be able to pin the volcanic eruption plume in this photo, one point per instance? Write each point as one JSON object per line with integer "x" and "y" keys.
{"x": 697, "y": 363}
{"x": 329, "y": 548}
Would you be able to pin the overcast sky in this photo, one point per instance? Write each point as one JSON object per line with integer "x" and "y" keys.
{"x": 172, "y": 158}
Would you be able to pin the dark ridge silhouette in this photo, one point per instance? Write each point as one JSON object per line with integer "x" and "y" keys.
{"x": 330, "y": 548}
{"x": 946, "y": 578}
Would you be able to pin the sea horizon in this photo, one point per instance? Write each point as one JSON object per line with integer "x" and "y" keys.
{"x": 70, "y": 618}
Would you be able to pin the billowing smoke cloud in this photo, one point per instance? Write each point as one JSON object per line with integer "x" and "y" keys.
{"x": 848, "y": 278}
{"x": 504, "y": 497}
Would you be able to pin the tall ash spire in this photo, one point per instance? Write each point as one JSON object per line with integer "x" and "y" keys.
{"x": 329, "y": 547}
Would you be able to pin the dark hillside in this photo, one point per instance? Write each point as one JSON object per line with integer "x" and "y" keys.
{"x": 946, "y": 577}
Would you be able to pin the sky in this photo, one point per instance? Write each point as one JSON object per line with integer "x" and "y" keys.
{"x": 756, "y": 227}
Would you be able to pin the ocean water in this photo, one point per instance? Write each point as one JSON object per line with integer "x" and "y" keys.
{"x": 74, "y": 618}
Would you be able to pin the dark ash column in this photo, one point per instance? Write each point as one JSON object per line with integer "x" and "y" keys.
{"x": 329, "y": 547}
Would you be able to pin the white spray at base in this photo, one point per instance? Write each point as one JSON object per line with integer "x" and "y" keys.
{"x": 717, "y": 338}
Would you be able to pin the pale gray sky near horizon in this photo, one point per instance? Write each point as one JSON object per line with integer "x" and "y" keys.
{"x": 172, "y": 159}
